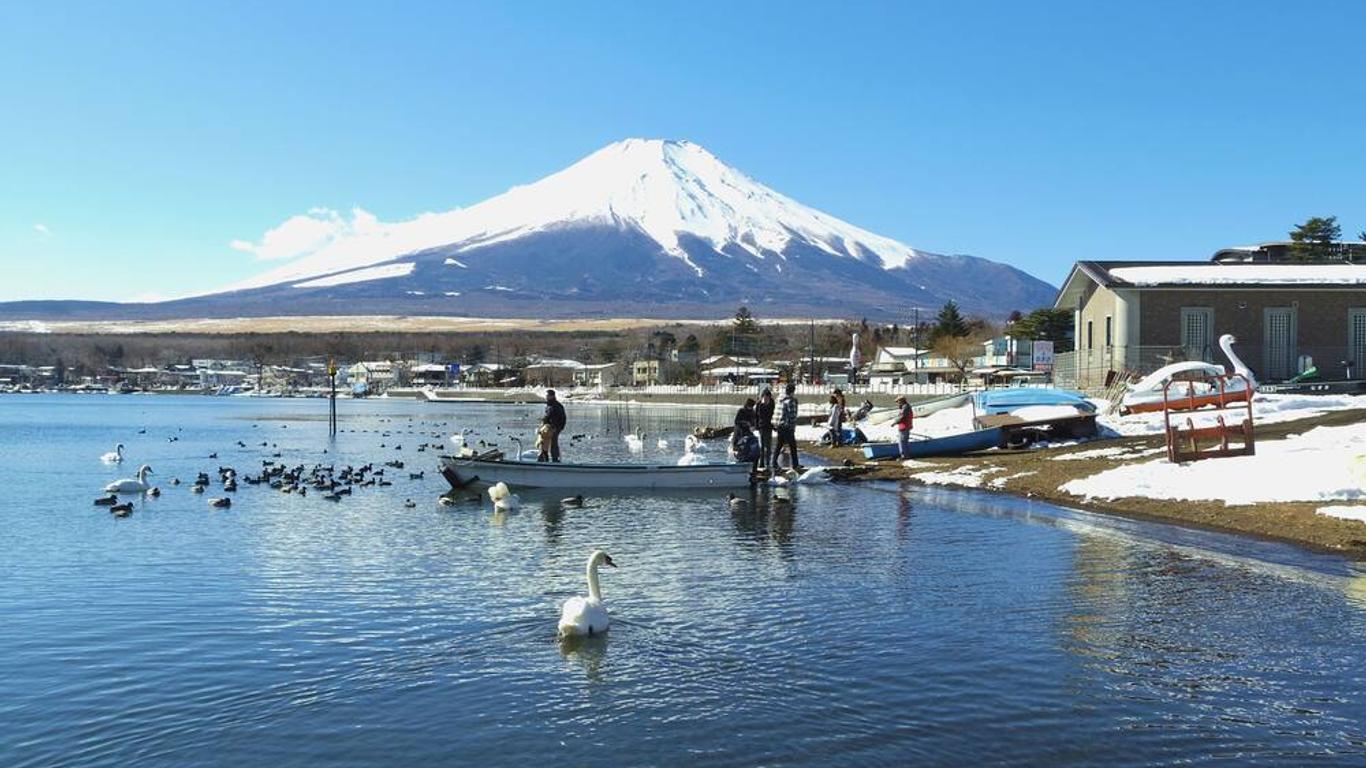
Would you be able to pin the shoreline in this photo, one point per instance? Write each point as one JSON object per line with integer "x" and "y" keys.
{"x": 1039, "y": 474}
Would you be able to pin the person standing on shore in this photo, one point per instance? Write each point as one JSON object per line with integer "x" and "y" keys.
{"x": 903, "y": 426}
{"x": 763, "y": 414}
{"x": 835, "y": 422}
{"x": 553, "y": 421}
{"x": 787, "y": 428}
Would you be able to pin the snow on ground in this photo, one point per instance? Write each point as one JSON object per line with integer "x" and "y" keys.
{"x": 999, "y": 482}
{"x": 1266, "y": 409}
{"x": 970, "y": 476}
{"x": 1344, "y": 512}
{"x": 1323, "y": 464}
{"x": 1117, "y": 452}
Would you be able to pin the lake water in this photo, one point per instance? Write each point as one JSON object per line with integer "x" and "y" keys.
{"x": 867, "y": 624}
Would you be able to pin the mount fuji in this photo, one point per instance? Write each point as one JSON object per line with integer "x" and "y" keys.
{"x": 639, "y": 228}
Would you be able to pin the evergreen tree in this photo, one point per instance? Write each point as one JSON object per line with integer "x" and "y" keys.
{"x": 1047, "y": 324}
{"x": 950, "y": 322}
{"x": 1314, "y": 238}
{"x": 745, "y": 322}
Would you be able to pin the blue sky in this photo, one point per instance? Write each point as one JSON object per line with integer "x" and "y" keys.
{"x": 139, "y": 139}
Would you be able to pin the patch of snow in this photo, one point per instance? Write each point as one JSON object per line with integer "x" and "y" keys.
{"x": 455, "y": 263}
{"x": 999, "y": 482}
{"x": 1266, "y": 409}
{"x": 1344, "y": 512}
{"x": 1118, "y": 452}
{"x": 1323, "y": 464}
{"x": 969, "y": 476}
{"x": 496, "y": 288}
{"x": 382, "y": 272}
{"x": 452, "y": 293}
{"x": 416, "y": 293}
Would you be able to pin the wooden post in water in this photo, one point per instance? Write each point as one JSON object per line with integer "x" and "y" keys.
{"x": 332, "y": 399}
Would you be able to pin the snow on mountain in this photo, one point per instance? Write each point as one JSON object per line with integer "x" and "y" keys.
{"x": 665, "y": 189}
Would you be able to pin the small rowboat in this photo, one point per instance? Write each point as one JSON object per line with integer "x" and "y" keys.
{"x": 949, "y": 445}
{"x": 461, "y": 471}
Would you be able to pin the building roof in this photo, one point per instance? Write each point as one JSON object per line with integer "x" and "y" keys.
{"x": 1208, "y": 274}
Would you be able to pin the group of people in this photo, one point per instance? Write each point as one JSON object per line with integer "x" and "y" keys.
{"x": 755, "y": 427}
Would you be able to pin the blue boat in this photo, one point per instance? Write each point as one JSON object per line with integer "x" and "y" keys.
{"x": 993, "y": 401}
{"x": 949, "y": 445}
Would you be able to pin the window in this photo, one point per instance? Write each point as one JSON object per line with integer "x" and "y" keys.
{"x": 1090, "y": 341}
{"x": 1196, "y": 323}
{"x": 1109, "y": 331}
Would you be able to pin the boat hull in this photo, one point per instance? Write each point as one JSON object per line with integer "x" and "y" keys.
{"x": 952, "y": 445}
{"x": 570, "y": 477}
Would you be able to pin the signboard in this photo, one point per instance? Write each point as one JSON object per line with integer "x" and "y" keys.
{"x": 1043, "y": 355}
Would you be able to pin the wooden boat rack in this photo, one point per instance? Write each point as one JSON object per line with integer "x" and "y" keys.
{"x": 1184, "y": 442}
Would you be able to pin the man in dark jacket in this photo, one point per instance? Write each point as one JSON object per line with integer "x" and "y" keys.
{"x": 763, "y": 414}
{"x": 553, "y": 423}
{"x": 787, "y": 427}
{"x": 743, "y": 444}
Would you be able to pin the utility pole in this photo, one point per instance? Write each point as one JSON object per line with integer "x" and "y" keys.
{"x": 332, "y": 399}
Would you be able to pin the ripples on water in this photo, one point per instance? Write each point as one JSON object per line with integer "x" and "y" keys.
{"x": 865, "y": 625}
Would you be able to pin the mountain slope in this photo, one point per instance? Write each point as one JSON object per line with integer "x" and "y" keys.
{"x": 638, "y": 228}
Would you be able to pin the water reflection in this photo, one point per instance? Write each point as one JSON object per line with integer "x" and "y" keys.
{"x": 587, "y": 652}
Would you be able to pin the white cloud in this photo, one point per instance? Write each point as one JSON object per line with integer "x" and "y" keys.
{"x": 42, "y": 230}
{"x": 324, "y": 241}
{"x": 299, "y": 235}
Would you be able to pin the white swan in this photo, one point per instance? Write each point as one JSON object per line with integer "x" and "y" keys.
{"x": 587, "y": 615}
{"x": 662, "y": 444}
{"x": 690, "y": 456}
{"x": 115, "y": 456}
{"x": 503, "y": 499}
{"x": 132, "y": 485}
{"x": 634, "y": 443}
{"x": 1226, "y": 343}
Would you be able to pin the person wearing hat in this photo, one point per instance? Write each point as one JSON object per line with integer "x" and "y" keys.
{"x": 903, "y": 426}
{"x": 552, "y": 424}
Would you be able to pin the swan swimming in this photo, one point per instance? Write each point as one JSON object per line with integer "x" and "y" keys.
{"x": 115, "y": 456}
{"x": 587, "y": 615}
{"x": 503, "y": 499}
{"x": 691, "y": 452}
{"x": 132, "y": 485}
{"x": 634, "y": 443}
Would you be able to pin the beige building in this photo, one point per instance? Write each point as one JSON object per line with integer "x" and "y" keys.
{"x": 1287, "y": 315}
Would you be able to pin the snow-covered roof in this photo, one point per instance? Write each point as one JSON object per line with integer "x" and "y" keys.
{"x": 550, "y": 362}
{"x": 899, "y": 351}
{"x": 740, "y": 370}
{"x": 429, "y": 368}
{"x": 1205, "y": 273}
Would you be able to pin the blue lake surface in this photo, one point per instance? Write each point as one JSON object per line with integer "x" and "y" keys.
{"x": 867, "y": 624}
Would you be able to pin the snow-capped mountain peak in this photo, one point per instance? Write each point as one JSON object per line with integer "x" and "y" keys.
{"x": 664, "y": 189}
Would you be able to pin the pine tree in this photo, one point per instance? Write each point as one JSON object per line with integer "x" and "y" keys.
{"x": 950, "y": 322}
{"x": 1314, "y": 238}
{"x": 744, "y": 321}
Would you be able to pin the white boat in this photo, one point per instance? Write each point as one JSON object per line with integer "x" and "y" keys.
{"x": 461, "y": 471}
